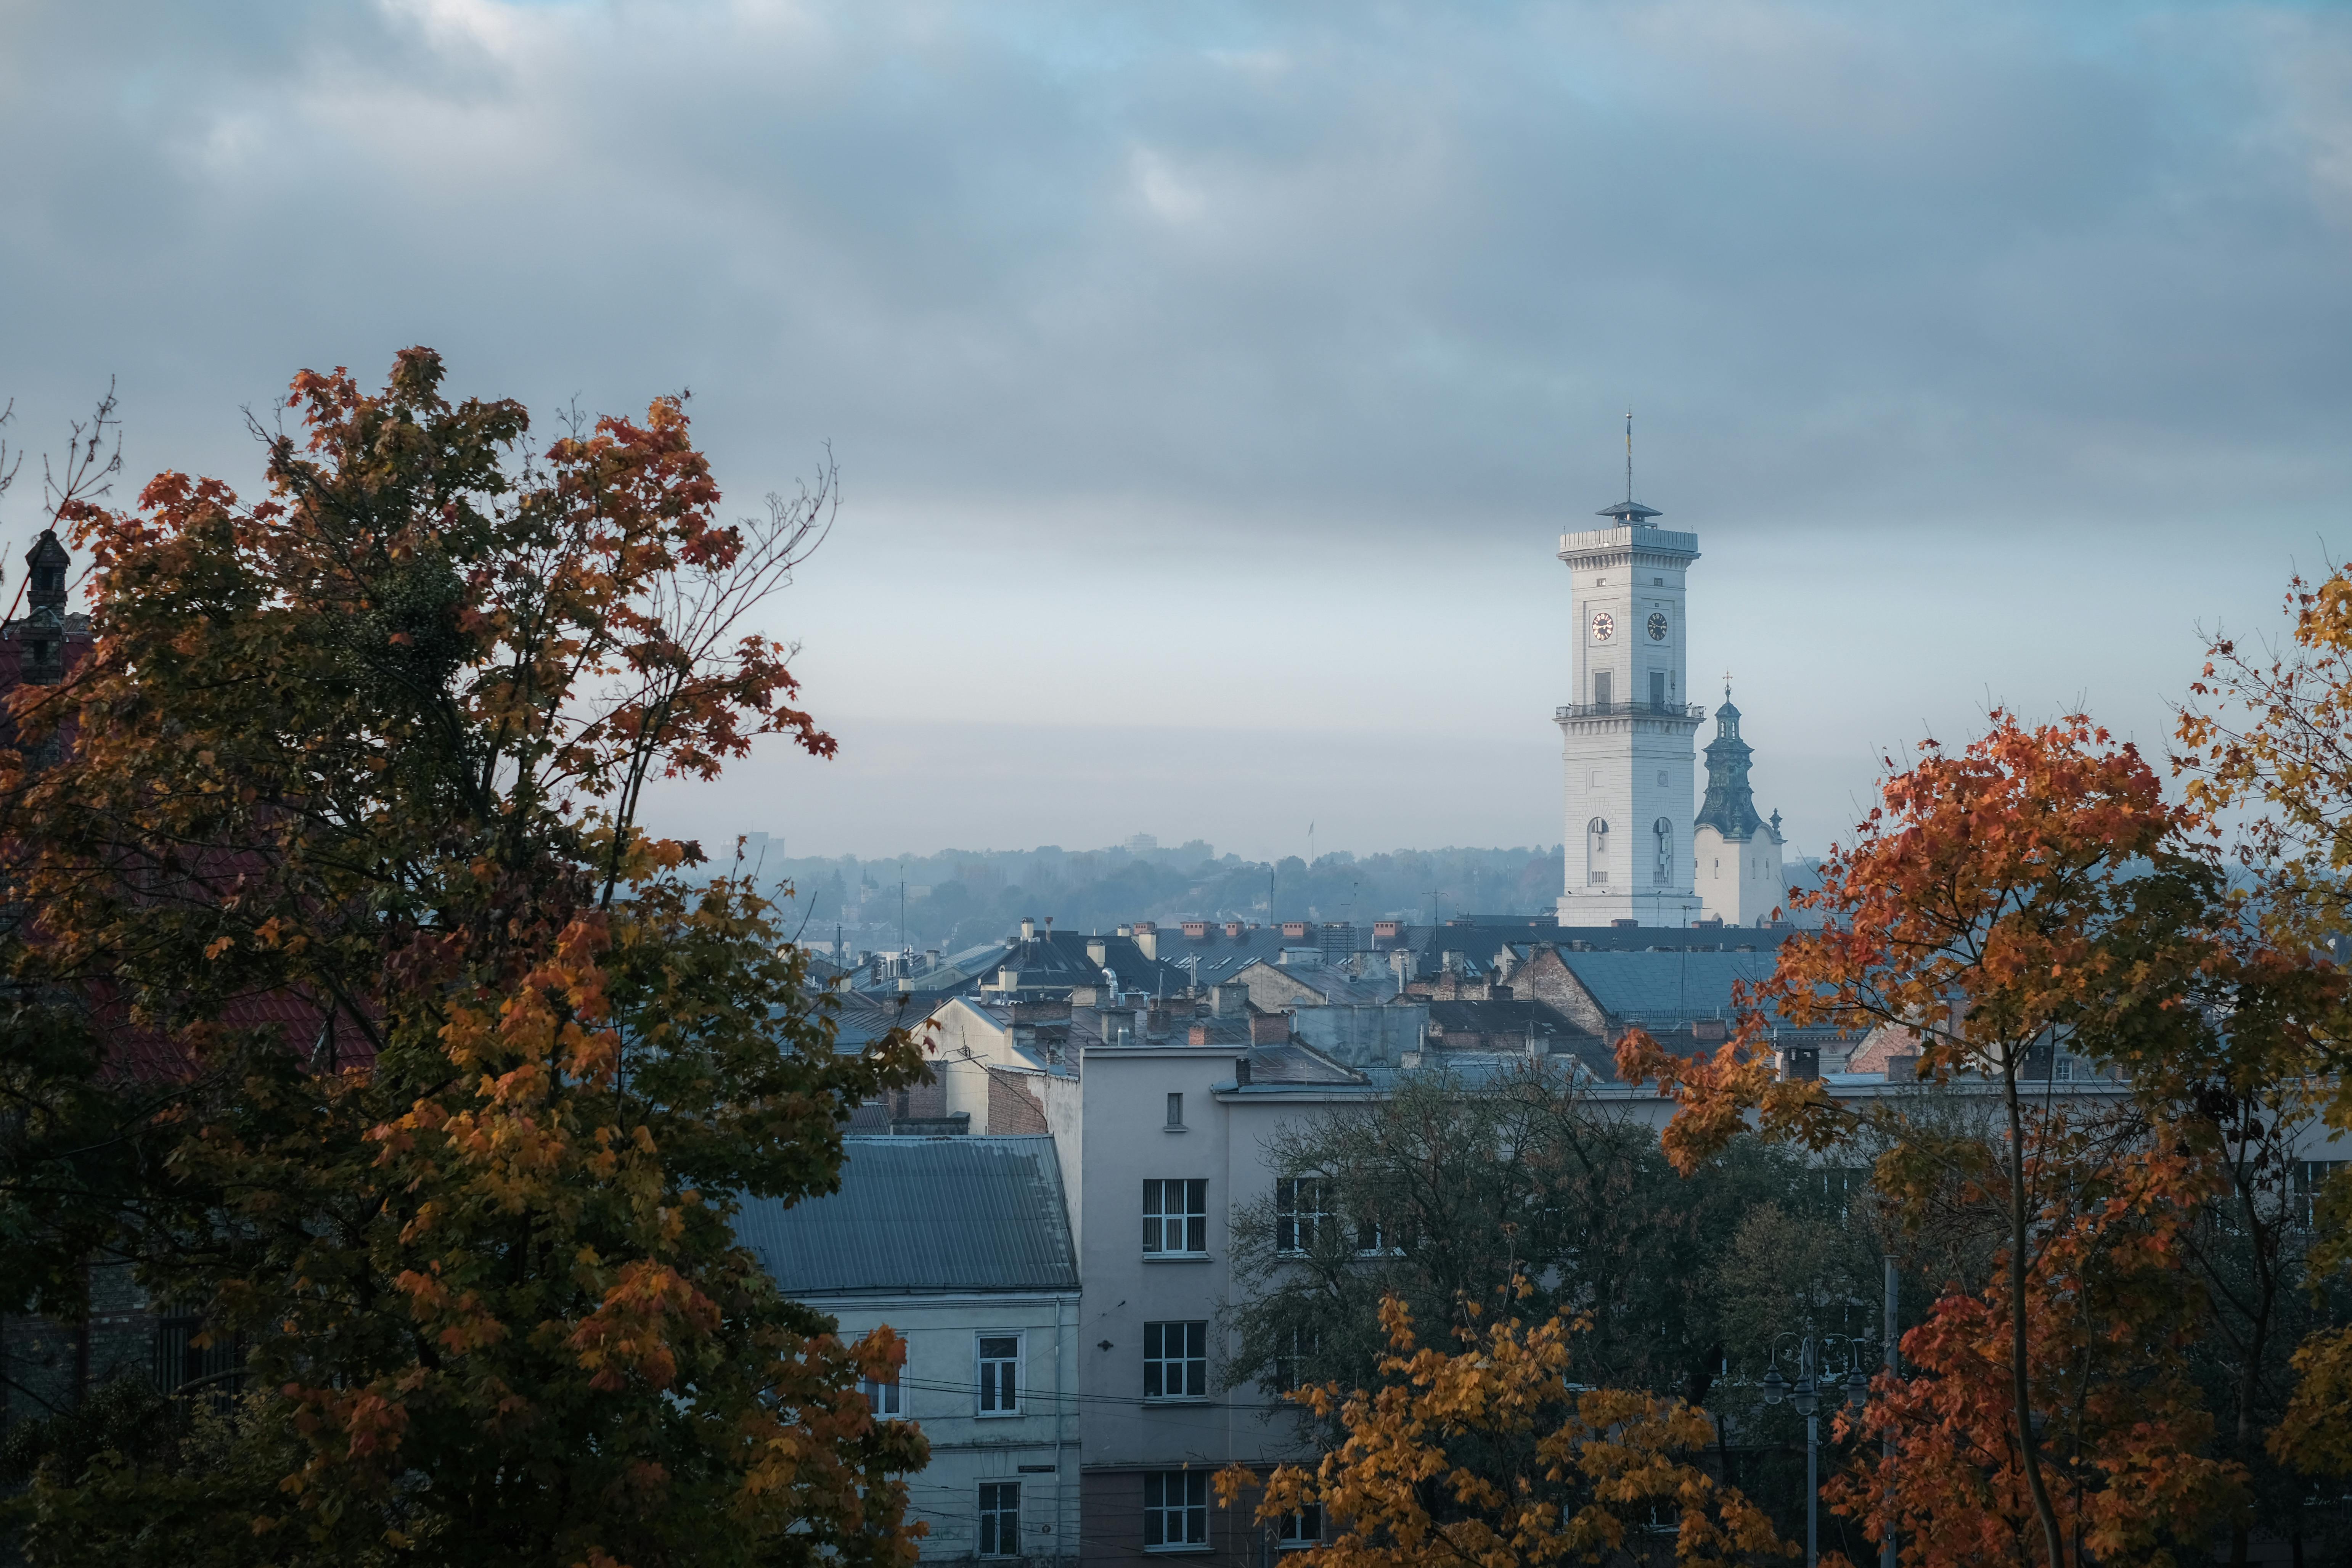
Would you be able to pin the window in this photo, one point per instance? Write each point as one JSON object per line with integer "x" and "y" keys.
{"x": 1000, "y": 1519}
{"x": 1663, "y": 871}
{"x": 1175, "y": 1110}
{"x": 1838, "y": 1186}
{"x": 1298, "y": 1347}
{"x": 1175, "y": 1509}
{"x": 213, "y": 1372}
{"x": 1176, "y": 1360}
{"x": 1600, "y": 689}
{"x": 1371, "y": 1236}
{"x": 999, "y": 1375}
{"x": 2310, "y": 1176}
{"x": 1303, "y": 1529}
{"x": 1596, "y": 851}
{"x": 1176, "y": 1218}
{"x": 1662, "y": 778}
{"x": 882, "y": 1398}
{"x": 1657, "y": 691}
{"x": 1302, "y": 1214}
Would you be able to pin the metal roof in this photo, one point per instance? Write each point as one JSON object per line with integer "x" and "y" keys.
{"x": 1645, "y": 986}
{"x": 920, "y": 1214}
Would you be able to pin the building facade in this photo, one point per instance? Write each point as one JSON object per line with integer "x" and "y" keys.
{"x": 962, "y": 1246}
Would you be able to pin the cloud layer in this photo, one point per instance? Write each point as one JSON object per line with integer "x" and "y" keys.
{"x": 1224, "y": 369}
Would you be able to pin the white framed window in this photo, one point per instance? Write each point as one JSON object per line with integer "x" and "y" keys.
{"x": 1000, "y": 1519}
{"x": 1176, "y": 1360}
{"x": 884, "y": 1399}
{"x": 1298, "y": 1348}
{"x": 1302, "y": 1214}
{"x": 1303, "y": 1529}
{"x": 2310, "y": 1176}
{"x": 999, "y": 1375}
{"x": 1175, "y": 1509}
{"x": 1176, "y": 1216}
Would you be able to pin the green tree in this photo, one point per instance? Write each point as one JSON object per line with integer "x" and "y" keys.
{"x": 353, "y": 1008}
{"x": 1447, "y": 1189}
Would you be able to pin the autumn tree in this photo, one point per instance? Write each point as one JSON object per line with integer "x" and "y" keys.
{"x": 1491, "y": 1453}
{"x": 2265, "y": 742}
{"x": 354, "y": 1008}
{"x": 2000, "y": 904}
{"x": 1443, "y": 1190}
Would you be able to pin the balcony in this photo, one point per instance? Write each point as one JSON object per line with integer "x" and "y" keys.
{"x": 1645, "y": 709}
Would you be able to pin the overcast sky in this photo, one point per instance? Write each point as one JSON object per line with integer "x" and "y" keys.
{"x": 1210, "y": 382}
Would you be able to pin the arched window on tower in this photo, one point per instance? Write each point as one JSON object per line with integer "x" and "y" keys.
{"x": 1663, "y": 871}
{"x": 1596, "y": 851}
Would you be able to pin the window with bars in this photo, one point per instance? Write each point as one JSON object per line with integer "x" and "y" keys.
{"x": 1302, "y": 1214}
{"x": 213, "y": 1372}
{"x": 882, "y": 1398}
{"x": 1176, "y": 1360}
{"x": 1175, "y": 1509}
{"x": 1303, "y": 1529}
{"x": 1000, "y": 1519}
{"x": 999, "y": 1375}
{"x": 1837, "y": 1186}
{"x": 1176, "y": 1216}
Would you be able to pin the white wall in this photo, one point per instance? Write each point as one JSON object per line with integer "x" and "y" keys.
{"x": 940, "y": 1389}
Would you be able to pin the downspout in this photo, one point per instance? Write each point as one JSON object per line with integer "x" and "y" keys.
{"x": 1064, "y": 1486}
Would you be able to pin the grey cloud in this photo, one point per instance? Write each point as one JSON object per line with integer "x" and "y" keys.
{"x": 1100, "y": 280}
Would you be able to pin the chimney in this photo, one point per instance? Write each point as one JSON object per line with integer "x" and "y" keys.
{"x": 1242, "y": 1072}
{"x": 1200, "y": 1035}
{"x": 1097, "y": 951}
{"x": 1147, "y": 937}
{"x": 1028, "y": 928}
{"x": 1227, "y": 1001}
{"x": 1233, "y": 928}
{"x": 1269, "y": 1028}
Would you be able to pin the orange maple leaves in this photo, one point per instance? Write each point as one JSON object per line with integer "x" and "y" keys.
{"x": 1490, "y": 1455}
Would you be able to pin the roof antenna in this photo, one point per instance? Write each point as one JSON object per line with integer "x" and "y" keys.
{"x": 1629, "y": 453}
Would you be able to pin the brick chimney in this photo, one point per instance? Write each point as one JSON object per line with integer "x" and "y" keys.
{"x": 1269, "y": 1028}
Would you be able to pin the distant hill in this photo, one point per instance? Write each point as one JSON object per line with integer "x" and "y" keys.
{"x": 960, "y": 897}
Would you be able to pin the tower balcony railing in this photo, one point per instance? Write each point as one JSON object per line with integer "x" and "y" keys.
{"x": 1642, "y": 708}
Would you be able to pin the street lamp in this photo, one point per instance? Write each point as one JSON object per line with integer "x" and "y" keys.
{"x": 1806, "y": 1394}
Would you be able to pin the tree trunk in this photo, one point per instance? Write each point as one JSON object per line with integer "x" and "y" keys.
{"x": 2020, "y": 1381}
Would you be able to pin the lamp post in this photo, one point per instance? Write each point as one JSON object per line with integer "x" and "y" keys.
{"x": 1806, "y": 1394}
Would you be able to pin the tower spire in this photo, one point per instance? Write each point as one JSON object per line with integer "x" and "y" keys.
{"x": 1629, "y": 512}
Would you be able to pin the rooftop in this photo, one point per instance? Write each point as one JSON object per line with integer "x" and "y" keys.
{"x": 915, "y": 1216}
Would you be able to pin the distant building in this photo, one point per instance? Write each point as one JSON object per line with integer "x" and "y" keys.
{"x": 1740, "y": 880}
{"x": 1633, "y": 847}
{"x": 963, "y": 1246}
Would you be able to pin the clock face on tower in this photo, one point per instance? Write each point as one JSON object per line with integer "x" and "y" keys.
{"x": 1604, "y": 626}
{"x": 1657, "y": 625}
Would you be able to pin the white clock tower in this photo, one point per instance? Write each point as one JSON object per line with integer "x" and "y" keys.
{"x": 1629, "y": 735}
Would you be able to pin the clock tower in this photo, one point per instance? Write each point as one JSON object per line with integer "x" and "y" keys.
{"x": 1628, "y": 735}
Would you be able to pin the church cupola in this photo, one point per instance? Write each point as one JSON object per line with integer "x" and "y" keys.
{"x": 43, "y": 632}
{"x": 1731, "y": 804}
